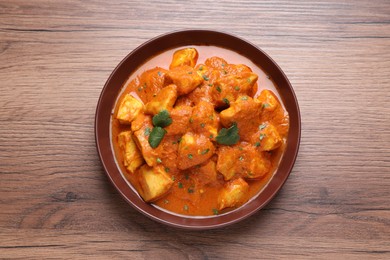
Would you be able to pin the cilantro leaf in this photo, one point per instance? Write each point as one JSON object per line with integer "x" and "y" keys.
{"x": 156, "y": 136}
{"x": 162, "y": 119}
{"x": 228, "y": 136}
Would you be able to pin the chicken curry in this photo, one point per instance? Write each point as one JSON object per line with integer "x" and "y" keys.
{"x": 198, "y": 138}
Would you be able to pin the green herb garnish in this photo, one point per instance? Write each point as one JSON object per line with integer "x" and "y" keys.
{"x": 262, "y": 136}
{"x": 185, "y": 207}
{"x": 190, "y": 156}
{"x": 156, "y": 136}
{"x": 205, "y": 151}
{"x": 226, "y": 101}
{"x": 190, "y": 190}
{"x": 228, "y": 136}
{"x": 205, "y": 77}
{"x": 162, "y": 119}
{"x": 215, "y": 212}
{"x": 147, "y": 131}
{"x": 257, "y": 144}
{"x": 158, "y": 160}
{"x": 265, "y": 105}
{"x": 219, "y": 89}
{"x": 180, "y": 185}
{"x": 262, "y": 126}
{"x": 237, "y": 88}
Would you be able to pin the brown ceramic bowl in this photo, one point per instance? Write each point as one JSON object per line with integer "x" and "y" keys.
{"x": 156, "y": 46}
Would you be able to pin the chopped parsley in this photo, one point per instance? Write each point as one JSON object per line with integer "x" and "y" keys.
{"x": 191, "y": 190}
{"x": 262, "y": 136}
{"x": 186, "y": 208}
{"x": 226, "y": 101}
{"x": 262, "y": 126}
{"x": 265, "y": 105}
{"x": 215, "y": 212}
{"x": 158, "y": 160}
{"x": 202, "y": 125}
{"x": 244, "y": 98}
{"x": 219, "y": 89}
{"x": 257, "y": 144}
{"x": 180, "y": 185}
{"x": 147, "y": 131}
{"x": 190, "y": 156}
{"x": 205, "y": 151}
{"x": 237, "y": 88}
{"x": 205, "y": 77}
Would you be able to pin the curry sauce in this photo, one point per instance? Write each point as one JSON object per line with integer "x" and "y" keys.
{"x": 199, "y": 130}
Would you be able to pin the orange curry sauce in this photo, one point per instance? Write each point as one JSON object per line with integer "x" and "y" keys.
{"x": 201, "y": 171}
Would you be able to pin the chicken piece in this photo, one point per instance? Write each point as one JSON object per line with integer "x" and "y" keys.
{"x": 251, "y": 163}
{"x": 142, "y": 128}
{"x": 266, "y": 138}
{"x": 129, "y": 109}
{"x": 150, "y": 83}
{"x": 228, "y": 88}
{"x": 187, "y": 56}
{"x": 180, "y": 120}
{"x": 233, "y": 194}
{"x": 165, "y": 99}
{"x": 132, "y": 157}
{"x": 185, "y": 78}
{"x": 268, "y": 100}
{"x": 193, "y": 150}
{"x": 216, "y": 63}
{"x": 206, "y": 173}
{"x": 204, "y": 120}
{"x": 237, "y": 68}
{"x": 245, "y": 111}
{"x": 154, "y": 182}
{"x": 226, "y": 163}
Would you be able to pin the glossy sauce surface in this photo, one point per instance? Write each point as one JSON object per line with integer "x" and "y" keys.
{"x": 194, "y": 192}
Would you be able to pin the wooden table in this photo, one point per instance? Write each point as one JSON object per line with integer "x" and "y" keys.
{"x": 56, "y": 201}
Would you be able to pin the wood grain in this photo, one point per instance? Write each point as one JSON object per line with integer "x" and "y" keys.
{"x": 56, "y": 201}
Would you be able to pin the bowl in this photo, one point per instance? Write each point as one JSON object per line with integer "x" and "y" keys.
{"x": 153, "y": 47}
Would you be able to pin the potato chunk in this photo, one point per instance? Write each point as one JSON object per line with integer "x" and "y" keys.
{"x": 128, "y": 109}
{"x": 228, "y": 88}
{"x": 245, "y": 111}
{"x": 187, "y": 56}
{"x": 132, "y": 157}
{"x": 164, "y": 99}
{"x": 267, "y": 137}
{"x": 204, "y": 120}
{"x": 154, "y": 182}
{"x": 193, "y": 150}
{"x": 268, "y": 100}
{"x": 185, "y": 78}
{"x": 233, "y": 194}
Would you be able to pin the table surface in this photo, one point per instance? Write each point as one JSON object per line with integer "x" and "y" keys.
{"x": 56, "y": 200}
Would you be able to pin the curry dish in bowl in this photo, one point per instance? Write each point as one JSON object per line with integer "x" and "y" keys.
{"x": 199, "y": 130}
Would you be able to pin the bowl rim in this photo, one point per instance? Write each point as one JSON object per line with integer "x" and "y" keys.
{"x": 183, "y": 38}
